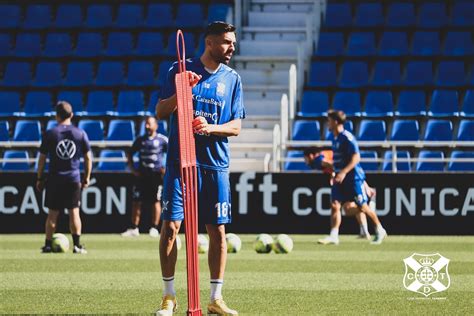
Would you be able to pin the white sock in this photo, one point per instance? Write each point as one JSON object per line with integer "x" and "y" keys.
{"x": 364, "y": 230}
{"x": 216, "y": 289}
{"x": 168, "y": 286}
{"x": 379, "y": 228}
{"x": 334, "y": 233}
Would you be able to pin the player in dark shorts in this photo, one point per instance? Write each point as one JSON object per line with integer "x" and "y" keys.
{"x": 151, "y": 149}
{"x": 64, "y": 144}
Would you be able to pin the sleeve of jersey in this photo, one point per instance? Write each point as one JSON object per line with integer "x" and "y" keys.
{"x": 353, "y": 148}
{"x": 134, "y": 147}
{"x": 86, "y": 146}
{"x": 44, "y": 144}
{"x": 169, "y": 88}
{"x": 237, "y": 107}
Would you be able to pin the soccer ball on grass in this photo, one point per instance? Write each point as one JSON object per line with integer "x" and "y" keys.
{"x": 60, "y": 243}
{"x": 263, "y": 243}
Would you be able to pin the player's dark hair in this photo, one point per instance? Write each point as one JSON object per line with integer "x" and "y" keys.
{"x": 338, "y": 116}
{"x": 150, "y": 117}
{"x": 310, "y": 150}
{"x": 218, "y": 28}
{"x": 63, "y": 110}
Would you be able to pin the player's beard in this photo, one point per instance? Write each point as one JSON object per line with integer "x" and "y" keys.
{"x": 221, "y": 58}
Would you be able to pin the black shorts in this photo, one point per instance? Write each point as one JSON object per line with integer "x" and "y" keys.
{"x": 61, "y": 195}
{"x": 148, "y": 187}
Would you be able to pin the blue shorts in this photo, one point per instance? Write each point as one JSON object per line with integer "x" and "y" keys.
{"x": 214, "y": 201}
{"x": 349, "y": 191}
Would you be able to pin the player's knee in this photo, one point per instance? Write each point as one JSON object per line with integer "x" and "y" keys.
{"x": 169, "y": 231}
{"x": 335, "y": 206}
{"x": 216, "y": 234}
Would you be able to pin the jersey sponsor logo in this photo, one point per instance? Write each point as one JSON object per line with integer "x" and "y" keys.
{"x": 66, "y": 149}
{"x": 212, "y": 101}
{"x": 206, "y": 85}
{"x": 213, "y": 116}
{"x": 220, "y": 89}
{"x": 426, "y": 274}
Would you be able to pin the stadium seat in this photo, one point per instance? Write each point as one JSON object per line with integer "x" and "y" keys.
{"x": 393, "y": 44}
{"x": 386, "y": 74}
{"x": 323, "y": 74}
{"x": 444, "y": 103}
{"x": 330, "y": 44}
{"x": 10, "y": 102}
{"x": 355, "y": 74}
{"x": 190, "y": 15}
{"x": 75, "y": 98}
{"x": 369, "y": 15}
{"x": 467, "y": 109}
{"x": 17, "y": 74}
{"x": 458, "y": 44}
{"x": 423, "y": 165}
{"x": 439, "y": 130}
{"x": 463, "y": 14}
{"x": 219, "y": 12}
{"x": 38, "y": 16}
{"x": 432, "y": 15}
{"x": 10, "y": 16}
{"x": 98, "y": 16}
{"x": 347, "y": 101}
{"x": 4, "y": 131}
{"x": 79, "y": 74}
{"x": 110, "y": 73}
{"x": 466, "y": 130}
{"x": 119, "y": 44}
{"x": 378, "y": 104}
{"x": 150, "y": 44}
{"x": 405, "y": 130}
{"x": 411, "y": 103}
{"x": 361, "y": 44}
{"x": 461, "y": 165}
{"x": 68, "y": 16}
{"x": 401, "y": 14}
{"x": 28, "y": 45}
{"x": 141, "y": 73}
{"x": 93, "y": 128}
{"x": 58, "y": 45}
{"x": 159, "y": 15}
{"x": 418, "y": 73}
{"x": 401, "y": 165}
{"x": 51, "y": 124}
{"x": 372, "y": 130}
{"x": 112, "y": 165}
{"x": 348, "y": 126}
{"x": 129, "y": 16}
{"x": 100, "y": 103}
{"x": 163, "y": 72}
{"x": 306, "y": 130}
{"x": 451, "y": 73}
{"x": 121, "y": 130}
{"x": 425, "y": 44}
{"x": 162, "y": 127}
{"x": 89, "y": 45}
{"x": 38, "y": 104}
{"x": 338, "y": 15}
{"x": 130, "y": 103}
{"x": 27, "y": 131}
{"x": 366, "y": 165}
{"x": 48, "y": 74}
{"x": 314, "y": 104}
{"x": 295, "y": 165}
{"x": 5, "y": 45}
{"x": 188, "y": 41}
{"x": 15, "y": 166}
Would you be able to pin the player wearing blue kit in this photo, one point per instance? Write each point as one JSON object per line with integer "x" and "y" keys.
{"x": 349, "y": 180}
{"x": 218, "y": 111}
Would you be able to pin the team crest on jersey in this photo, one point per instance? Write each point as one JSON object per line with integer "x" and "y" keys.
{"x": 426, "y": 274}
{"x": 66, "y": 149}
{"x": 220, "y": 89}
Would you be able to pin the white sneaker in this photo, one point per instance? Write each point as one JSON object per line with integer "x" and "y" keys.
{"x": 364, "y": 236}
{"x": 154, "y": 232}
{"x": 328, "y": 240}
{"x": 379, "y": 237}
{"x": 168, "y": 306}
{"x": 80, "y": 250}
{"x": 131, "y": 232}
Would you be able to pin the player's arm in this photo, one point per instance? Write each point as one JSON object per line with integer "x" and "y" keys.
{"x": 231, "y": 128}
{"x": 39, "y": 176}
{"x": 87, "y": 169}
{"x": 130, "y": 162}
{"x": 355, "y": 159}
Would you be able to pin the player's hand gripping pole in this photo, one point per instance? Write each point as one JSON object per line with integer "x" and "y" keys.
{"x": 187, "y": 152}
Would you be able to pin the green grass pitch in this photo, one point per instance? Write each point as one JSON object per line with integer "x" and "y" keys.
{"x": 123, "y": 276}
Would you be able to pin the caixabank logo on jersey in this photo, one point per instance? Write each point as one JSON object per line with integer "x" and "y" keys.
{"x": 426, "y": 274}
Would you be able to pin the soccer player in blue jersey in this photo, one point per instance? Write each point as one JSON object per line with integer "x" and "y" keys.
{"x": 64, "y": 144}
{"x": 218, "y": 111}
{"x": 151, "y": 149}
{"x": 349, "y": 180}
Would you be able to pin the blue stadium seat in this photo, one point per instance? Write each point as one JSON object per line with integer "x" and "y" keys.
{"x": 314, "y": 104}
{"x": 372, "y": 130}
{"x": 48, "y": 74}
{"x": 27, "y": 131}
{"x": 366, "y": 165}
{"x": 386, "y": 74}
{"x": 393, "y": 44}
{"x": 159, "y": 15}
{"x": 190, "y": 15}
{"x": 150, "y": 44}
{"x": 401, "y": 14}
{"x": 439, "y": 130}
{"x": 355, "y": 74}
{"x": 93, "y": 128}
{"x": 347, "y": 101}
{"x": 405, "y": 130}
{"x": 129, "y": 16}
{"x": 4, "y": 131}
{"x": 100, "y": 103}
{"x": 361, "y": 44}
{"x": 68, "y": 16}
{"x": 418, "y": 73}
{"x": 432, "y": 15}
{"x": 463, "y": 14}
{"x": 423, "y": 165}
{"x": 152, "y": 101}
{"x": 466, "y": 130}
{"x": 38, "y": 16}
{"x": 188, "y": 41}
{"x": 10, "y": 16}
{"x": 330, "y": 44}
{"x": 140, "y": 73}
{"x": 51, "y": 124}
{"x": 201, "y": 46}
{"x": 425, "y": 44}
{"x": 98, "y": 16}
{"x": 162, "y": 127}
{"x": 338, "y": 15}
{"x": 369, "y": 15}
{"x": 451, "y": 73}
{"x": 16, "y": 166}
{"x": 75, "y": 98}
{"x": 79, "y": 74}
{"x": 58, "y": 45}
{"x": 295, "y": 165}
{"x": 130, "y": 103}
{"x": 110, "y": 73}
{"x": 119, "y": 44}
{"x": 348, "y": 126}
{"x": 17, "y": 74}
{"x": 89, "y": 45}
{"x": 444, "y": 103}
{"x": 38, "y": 104}
{"x": 467, "y": 109}
{"x": 219, "y": 12}
{"x": 121, "y": 130}
{"x": 112, "y": 165}
{"x": 10, "y": 102}
{"x": 306, "y": 130}
{"x": 458, "y": 44}
{"x": 401, "y": 165}
{"x": 411, "y": 103}
{"x": 5, "y": 45}
{"x": 378, "y": 104}
{"x": 163, "y": 71}
{"x": 323, "y": 74}
{"x": 460, "y": 165}
{"x": 28, "y": 45}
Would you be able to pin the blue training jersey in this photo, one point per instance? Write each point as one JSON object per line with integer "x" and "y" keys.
{"x": 344, "y": 146}
{"x": 218, "y": 98}
{"x": 151, "y": 152}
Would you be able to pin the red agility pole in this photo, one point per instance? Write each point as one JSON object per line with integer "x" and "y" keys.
{"x": 187, "y": 153}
